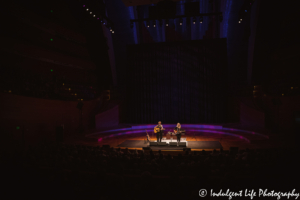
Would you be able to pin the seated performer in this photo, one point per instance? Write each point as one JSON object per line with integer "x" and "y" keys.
{"x": 158, "y": 130}
{"x": 177, "y": 131}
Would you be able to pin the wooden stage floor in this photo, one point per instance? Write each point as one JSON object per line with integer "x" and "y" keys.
{"x": 227, "y": 141}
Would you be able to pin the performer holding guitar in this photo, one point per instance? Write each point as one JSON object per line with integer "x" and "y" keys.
{"x": 158, "y": 130}
{"x": 177, "y": 131}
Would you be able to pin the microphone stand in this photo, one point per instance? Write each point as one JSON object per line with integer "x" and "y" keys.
{"x": 194, "y": 136}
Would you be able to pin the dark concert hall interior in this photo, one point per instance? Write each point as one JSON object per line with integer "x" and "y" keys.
{"x": 150, "y": 99}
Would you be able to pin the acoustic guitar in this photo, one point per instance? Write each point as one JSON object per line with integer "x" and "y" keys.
{"x": 148, "y": 137}
{"x": 176, "y": 132}
{"x": 158, "y": 129}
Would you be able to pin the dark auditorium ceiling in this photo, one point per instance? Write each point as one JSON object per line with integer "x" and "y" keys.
{"x": 141, "y": 2}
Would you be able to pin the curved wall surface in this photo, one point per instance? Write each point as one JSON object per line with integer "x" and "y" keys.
{"x": 39, "y": 117}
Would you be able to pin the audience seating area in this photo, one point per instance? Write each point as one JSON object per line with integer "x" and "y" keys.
{"x": 75, "y": 171}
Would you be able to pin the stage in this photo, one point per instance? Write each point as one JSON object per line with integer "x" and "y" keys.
{"x": 190, "y": 144}
{"x": 197, "y": 137}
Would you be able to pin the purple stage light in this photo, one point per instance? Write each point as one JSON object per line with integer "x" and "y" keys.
{"x": 245, "y": 131}
{"x": 202, "y": 128}
{"x": 206, "y": 126}
{"x": 194, "y": 130}
{"x": 83, "y": 5}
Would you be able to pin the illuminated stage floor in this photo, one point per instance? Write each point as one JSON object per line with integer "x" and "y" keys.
{"x": 224, "y": 135}
{"x": 190, "y": 144}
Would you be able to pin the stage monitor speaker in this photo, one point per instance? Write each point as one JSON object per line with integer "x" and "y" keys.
{"x": 161, "y": 143}
{"x": 59, "y": 130}
{"x": 233, "y": 150}
{"x": 187, "y": 149}
{"x": 173, "y": 143}
{"x": 182, "y": 144}
{"x": 146, "y": 148}
{"x": 153, "y": 143}
{"x": 106, "y": 146}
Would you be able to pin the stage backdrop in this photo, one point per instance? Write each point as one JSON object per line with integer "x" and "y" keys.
{"x": 176, "y": 82}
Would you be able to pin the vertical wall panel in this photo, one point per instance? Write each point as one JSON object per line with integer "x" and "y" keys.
{"x": 177, "y": 82}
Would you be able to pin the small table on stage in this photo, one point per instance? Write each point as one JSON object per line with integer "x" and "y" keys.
{"x": 172, "y": 135}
